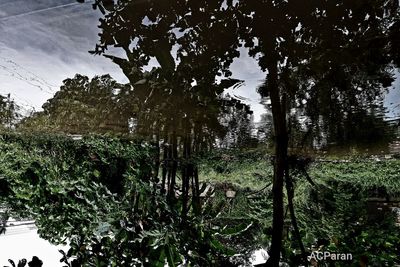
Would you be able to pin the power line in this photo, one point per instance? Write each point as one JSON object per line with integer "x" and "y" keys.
{"x": 31, "y": 81}
{"x": 38, "y": 78}
{"x": 41, "y": 10}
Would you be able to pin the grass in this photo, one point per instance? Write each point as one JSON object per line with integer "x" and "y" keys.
{"x": 334, "y": 212}
{"x": 252, "y": 170}
{"x": 243, "y": 175}
{"x": 368, "y": 174}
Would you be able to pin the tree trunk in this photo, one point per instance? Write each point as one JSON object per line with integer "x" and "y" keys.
{"x": 296, "y": 230}
{"x": 186, "y": 175}
{"x": 164, "y": 170}
{"x": 157, "y": 158}
{"x": 174, "y": 166}
{"x": 196, "y": 191}
{"x": 281, "y": 147}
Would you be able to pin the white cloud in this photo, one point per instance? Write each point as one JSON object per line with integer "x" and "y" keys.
{"x": 38, "y": 51}
{"x": 247, "y": 69}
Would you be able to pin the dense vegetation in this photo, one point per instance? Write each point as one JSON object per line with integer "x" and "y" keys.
{"x": 336, "y": 214}
{"x": 100, "y": 196}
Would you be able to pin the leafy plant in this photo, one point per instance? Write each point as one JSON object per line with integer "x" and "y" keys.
{"x": 35, "y": 262}
{"x": 99, "y": 196}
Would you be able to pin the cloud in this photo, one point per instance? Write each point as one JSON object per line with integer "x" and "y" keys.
{"x": 247, "y": 69}
{"x": 39, "y": 50}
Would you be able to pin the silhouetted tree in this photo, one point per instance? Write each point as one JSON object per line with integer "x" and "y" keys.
{"x": 327, "y": 55}
{"x": 181, "y": 101}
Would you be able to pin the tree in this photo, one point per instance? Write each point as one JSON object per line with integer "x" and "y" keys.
{"x": 364, "y": 129}
{"x": 180, "y": 102}
{"x": 238, "y": 122}
{"x": 330, "y": 56}
{"x": 361, "y": 129}
{"x": 9, "y": 112}
{"x": 85, "y": 106}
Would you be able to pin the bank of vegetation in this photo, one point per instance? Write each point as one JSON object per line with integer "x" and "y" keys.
{"x": 100, "y": 195}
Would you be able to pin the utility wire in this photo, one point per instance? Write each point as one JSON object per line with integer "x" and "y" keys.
{"x": 15, "y": 74}
{"x": 41, "y": 10}
{"x": 37, "y": 77}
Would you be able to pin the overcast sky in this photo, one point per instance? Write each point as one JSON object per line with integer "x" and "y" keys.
{"x": 44, "y": 42}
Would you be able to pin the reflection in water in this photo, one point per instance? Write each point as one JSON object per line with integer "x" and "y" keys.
{"x": 326, "y": 66}
{"x": 21, "y": 240}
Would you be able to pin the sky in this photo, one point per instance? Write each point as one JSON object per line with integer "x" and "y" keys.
{"x": 23, "y": 242}
{"x": 44, "y": 42}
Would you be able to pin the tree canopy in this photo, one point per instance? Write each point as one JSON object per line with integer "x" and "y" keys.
{"x": 85, "y": 106}
{"x": 9, "y": 112}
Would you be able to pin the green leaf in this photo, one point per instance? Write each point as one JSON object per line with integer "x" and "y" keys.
{"x": 96, "y": 173}
{"x": 170, "y": 257}
{"x": 235, "y": 230}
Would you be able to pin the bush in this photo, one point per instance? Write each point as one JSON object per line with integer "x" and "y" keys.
{"x": 98, "y": 195}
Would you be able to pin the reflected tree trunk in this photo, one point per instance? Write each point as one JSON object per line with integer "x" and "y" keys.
{"x": 290, "y": 196}
{"x": 281, "y": 146}
{"x": 173, "y": 159}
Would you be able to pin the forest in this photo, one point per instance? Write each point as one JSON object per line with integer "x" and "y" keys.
{"x": 169, "y": 169}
